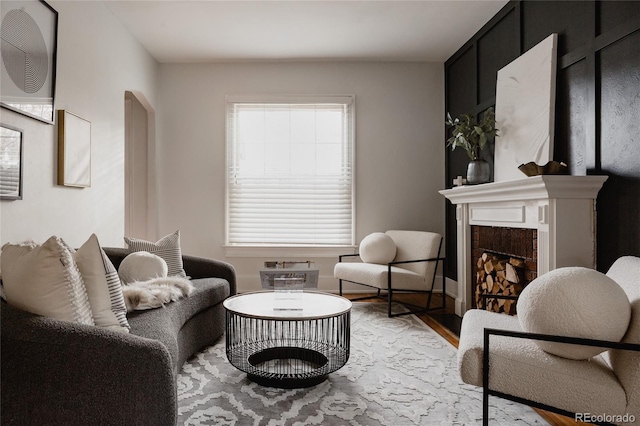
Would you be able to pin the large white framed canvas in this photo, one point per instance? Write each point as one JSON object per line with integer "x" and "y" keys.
{"x": 525, "y": 110}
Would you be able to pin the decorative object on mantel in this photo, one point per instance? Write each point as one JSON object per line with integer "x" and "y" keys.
{"x": 74, "y": 150}
{"x": 473, "y": 137}
{"x": 28, "y": 71}
{"x": 459, "y": 181}
{"x": 11, "y": 148}
{"x": 525, "y": 110}
{"x": 478, "y": 171}
{"x": 551, "y": 168}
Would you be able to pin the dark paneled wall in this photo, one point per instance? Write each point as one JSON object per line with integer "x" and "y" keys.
{"x": 597, "y": 126}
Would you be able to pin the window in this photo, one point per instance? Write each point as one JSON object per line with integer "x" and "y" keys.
{"x": 290, "y": 171}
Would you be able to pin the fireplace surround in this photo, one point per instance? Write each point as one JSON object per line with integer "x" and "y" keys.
{"x": 561, "y": 210}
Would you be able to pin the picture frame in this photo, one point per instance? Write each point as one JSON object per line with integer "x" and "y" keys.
{"x": 11, "y": 162}
{"x": 74, "y": 150}
{"x": 28, "y": 72}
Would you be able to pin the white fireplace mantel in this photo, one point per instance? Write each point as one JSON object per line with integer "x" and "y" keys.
{"x": 560, "y": 208}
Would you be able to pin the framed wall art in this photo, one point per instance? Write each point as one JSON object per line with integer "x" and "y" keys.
{"x": 74, "y": 150}
{"x": 28, "y": 51}
{"x": 11, "y": 162}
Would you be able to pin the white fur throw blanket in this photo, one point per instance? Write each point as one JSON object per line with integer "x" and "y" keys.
{"x": 154, "y": 293}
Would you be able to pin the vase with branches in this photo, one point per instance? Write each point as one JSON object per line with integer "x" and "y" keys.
{"x": 473, "y": 136}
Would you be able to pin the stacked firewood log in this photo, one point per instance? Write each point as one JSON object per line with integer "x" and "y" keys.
{"x": 499, "y": 275}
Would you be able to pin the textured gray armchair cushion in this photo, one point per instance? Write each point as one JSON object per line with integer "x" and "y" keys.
{"x": 56, "y": 372}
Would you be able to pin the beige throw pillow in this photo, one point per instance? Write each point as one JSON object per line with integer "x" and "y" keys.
{"x": 45, "y": 280}
{"x": 103, "y": 286}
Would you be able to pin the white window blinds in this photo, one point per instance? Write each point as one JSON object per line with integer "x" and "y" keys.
{"x": 290, "y": 171}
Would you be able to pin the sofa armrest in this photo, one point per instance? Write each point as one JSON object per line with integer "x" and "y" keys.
{"x": 58, "y": 372}
{"x": 201, "y": 267}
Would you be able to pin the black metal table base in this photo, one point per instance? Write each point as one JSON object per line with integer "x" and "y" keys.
{"x": 295, "y": 359}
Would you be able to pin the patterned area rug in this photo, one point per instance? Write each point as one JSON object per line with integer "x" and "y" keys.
{"x": 400, "y": 372}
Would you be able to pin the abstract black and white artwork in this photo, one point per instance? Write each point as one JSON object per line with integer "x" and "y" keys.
{"x": 28, "y": 30}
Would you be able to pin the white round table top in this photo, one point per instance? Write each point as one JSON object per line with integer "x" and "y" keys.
{"x": 262, "y": 304}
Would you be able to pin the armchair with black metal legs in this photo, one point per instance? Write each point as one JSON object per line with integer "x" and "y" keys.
{"x": 412, "y": 270}
{"x": 496, "y": 353}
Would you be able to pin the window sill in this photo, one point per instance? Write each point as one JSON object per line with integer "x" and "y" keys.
{"x": 287, "y": 251}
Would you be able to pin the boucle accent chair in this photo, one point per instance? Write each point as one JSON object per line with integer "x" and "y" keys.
{"x": 412, "y": 268}
{"x": 607, "y": 384}
{"x": 64, "y": 373}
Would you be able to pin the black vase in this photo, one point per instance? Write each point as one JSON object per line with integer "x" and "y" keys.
{"x": 478, "y": 171}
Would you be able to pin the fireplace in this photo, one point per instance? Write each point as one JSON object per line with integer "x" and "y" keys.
{"x": 558, "y": 212}
{"x": 505, "y": 262}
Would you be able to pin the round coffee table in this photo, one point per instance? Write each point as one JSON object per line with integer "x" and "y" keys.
{"x": 287, "y": 348}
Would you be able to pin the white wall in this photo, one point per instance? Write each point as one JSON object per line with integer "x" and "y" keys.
{"x": 399, "y": 146}
{"x": 97, "y": 61}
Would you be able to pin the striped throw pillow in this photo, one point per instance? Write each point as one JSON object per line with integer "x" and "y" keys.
{"x": 168, "y": 248}
{"x": 103, "y": 286}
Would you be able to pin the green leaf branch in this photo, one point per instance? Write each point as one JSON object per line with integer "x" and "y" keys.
{"x": 471, "y": 135}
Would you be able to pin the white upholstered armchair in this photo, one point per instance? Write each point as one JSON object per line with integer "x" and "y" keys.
{"x": 495, "y": 352}
{"x": 396, "y": 261}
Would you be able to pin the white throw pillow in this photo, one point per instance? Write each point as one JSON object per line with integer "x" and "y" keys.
{"x": 142, "y": 266}
{"x": 377, "y": 248}
{"x": 45, "y": 280}
{"x": 167, "y": 248}
{"x": 575, "y": 302}
{"x": 103, "y": 286}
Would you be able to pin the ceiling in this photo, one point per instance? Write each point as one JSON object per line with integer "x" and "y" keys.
{"x": 181, "y": 31}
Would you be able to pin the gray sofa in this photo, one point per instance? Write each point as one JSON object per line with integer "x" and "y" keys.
{"x": 61, "y": 373}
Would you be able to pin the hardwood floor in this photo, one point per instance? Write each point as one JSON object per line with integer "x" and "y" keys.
{"x": 447, "y": 324}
